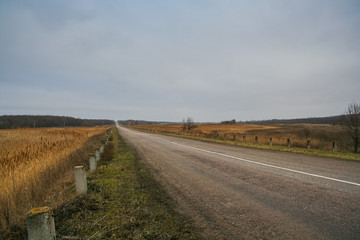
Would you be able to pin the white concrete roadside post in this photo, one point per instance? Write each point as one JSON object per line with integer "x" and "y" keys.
{"x": 97, "y": 154}
{"x": 288, "y": 143}
{"x": 40, "y": 224}
{"x": 92, "y": 162}
{"x": 270, "y": 142}
{"x": 80, "y": 179}
{"x": 308, "y": 144}
{"x": 102, "y": 147}
{"x": 334, "y": 148}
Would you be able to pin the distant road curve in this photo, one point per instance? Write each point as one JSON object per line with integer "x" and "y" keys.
{"x": 242, "y": 193}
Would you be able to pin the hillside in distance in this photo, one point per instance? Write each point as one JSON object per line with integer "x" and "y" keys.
{"x": 36, "y": 121}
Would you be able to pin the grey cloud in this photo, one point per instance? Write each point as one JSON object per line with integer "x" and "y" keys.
{"x": 167, "y": 60}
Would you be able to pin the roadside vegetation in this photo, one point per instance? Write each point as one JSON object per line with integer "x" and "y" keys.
{"x": 36, "y": 170}
{"x": 351, "y": 121}
{"x": 123, "y": 202}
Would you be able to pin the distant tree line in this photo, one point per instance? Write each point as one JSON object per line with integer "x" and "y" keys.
{"x": 229, "y": 122}
{"x": 36, "y": 121}
{"x": 333, "y": 120}
{"x": 140, "y": 122}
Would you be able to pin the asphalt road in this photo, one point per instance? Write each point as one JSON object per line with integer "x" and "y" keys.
{"x": 242, "y": 193}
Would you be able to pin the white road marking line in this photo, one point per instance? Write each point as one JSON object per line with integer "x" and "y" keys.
{"x": 259, "y": 163}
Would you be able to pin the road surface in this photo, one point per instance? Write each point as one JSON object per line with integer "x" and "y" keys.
{"x": 242, "y": 193}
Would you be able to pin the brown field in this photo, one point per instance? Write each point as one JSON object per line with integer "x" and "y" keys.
{"x": 33, "y": 163}
{"x": 321, "y": 136}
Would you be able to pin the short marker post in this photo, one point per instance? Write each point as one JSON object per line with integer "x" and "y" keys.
{"x": 41, "y": 224}
{"x": 80, "y": 179}
{"x": 92, "y": 162}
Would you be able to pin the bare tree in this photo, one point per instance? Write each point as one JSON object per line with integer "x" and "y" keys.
{"x": 351, "y": 121}
{"x": 189, "y": 124}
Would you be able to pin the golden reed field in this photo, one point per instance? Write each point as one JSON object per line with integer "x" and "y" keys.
{"x": 321, "y": 136}
{"x": 34, "y": 163}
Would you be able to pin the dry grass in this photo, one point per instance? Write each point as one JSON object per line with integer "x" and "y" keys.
{"x": 34, "y": 161}
{"x": 321, "y": 136}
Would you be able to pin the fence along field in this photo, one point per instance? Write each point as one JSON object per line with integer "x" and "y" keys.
{"x": 34, "y": 161}
{"x": 321, "y": 136}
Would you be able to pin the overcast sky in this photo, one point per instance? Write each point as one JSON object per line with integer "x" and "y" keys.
{"x": 167, "y": 60}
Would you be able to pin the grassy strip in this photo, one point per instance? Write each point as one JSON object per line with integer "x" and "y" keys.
{"x": 123, "y": 202}
{"x": 312, "y": 152}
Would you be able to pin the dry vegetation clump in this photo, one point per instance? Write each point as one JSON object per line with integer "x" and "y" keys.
{"x": 35, "y": 164}
{"x": 321, "y": 136}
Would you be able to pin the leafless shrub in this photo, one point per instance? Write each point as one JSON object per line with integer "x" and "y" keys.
{"x": 188, "y": 124}
{"x": 351, "y": 121}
